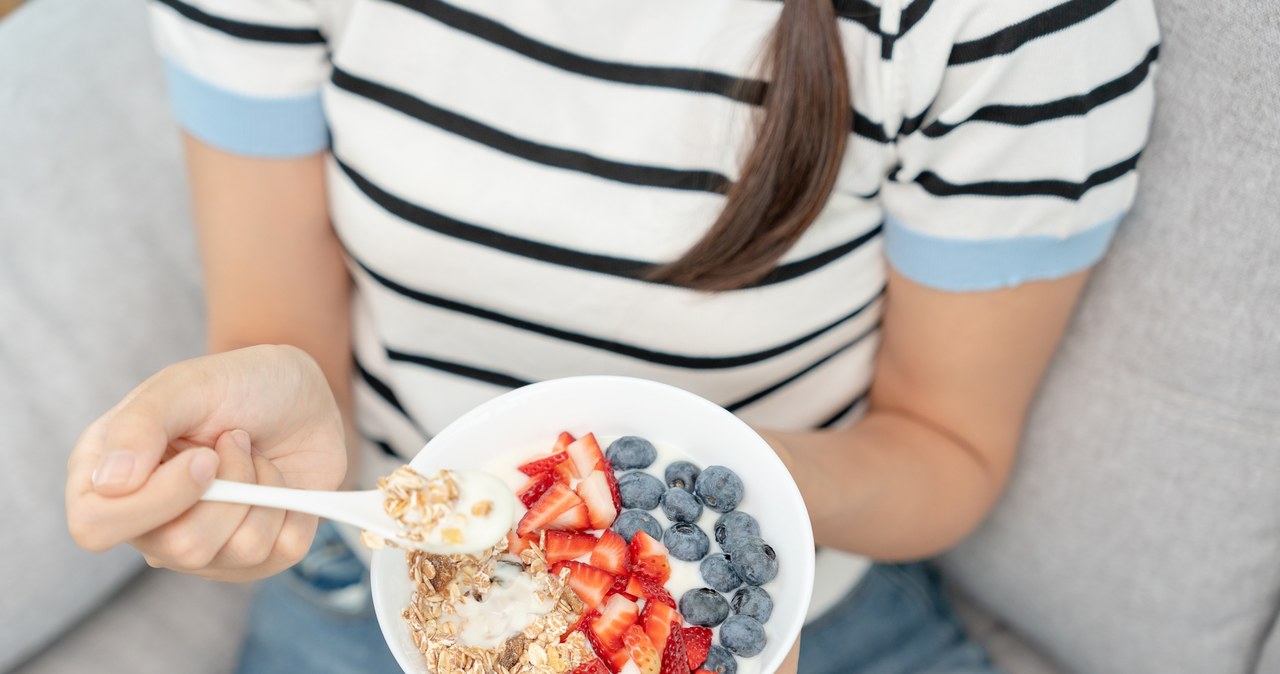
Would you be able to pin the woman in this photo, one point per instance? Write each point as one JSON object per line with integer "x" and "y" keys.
{"x": 476, "y": 194}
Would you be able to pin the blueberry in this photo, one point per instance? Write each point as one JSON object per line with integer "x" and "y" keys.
{"x": 718, "y": 573}
{"x": 681, "y": 474}
{"x": 631, "y": 521}
{"x": 680, "y": 506}
{"x": 734, "y": 543}
{"x": 640, "y": 490}
{"x": 753, "y": 560}
{"x": 720, "y": 661}
{"x": 734, "y": 525}
{"x": 719, "y": 488}
{"x": 743, "y": 635}
{"x": 686, "y": 541}
{"x": 630, "y": 451}
{"x": 752, "y": 601}
{"x": 704, "y": 606}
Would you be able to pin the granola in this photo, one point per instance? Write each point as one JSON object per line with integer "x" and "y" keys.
{"x": 419, "y": 503}
{"x": 443, "y": 583}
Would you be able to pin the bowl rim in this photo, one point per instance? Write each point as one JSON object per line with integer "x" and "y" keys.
{"x": 495, "y": 406}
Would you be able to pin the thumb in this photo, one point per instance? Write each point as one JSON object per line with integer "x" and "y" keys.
{"x": 142, "y": 428}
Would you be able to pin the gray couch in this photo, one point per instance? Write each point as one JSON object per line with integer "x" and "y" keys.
{"x": 1141, "y": 532}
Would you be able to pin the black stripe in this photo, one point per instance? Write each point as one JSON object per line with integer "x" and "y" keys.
{"x": 912, "y": 124}
{"x": 467, "y": 371}
{"x": 733, "y": 407}
{"x": 386, "y": 448}
{"x": 612, "y": 346}
{"x": 246, "y": 31}
{"x": 906, "y": 21}
{"x": 536, "y": 250}
{"x": 1008, "y": 39}
{"x": 380, "y": 387}
{"x": 831, "y": 421}
{"x": 741, "y": 89}
{"x": 652, "y": 176}
{"x": 1026, "y": 188}
{"x": 859, "y": 11}
{"x": 1071, "y": 106}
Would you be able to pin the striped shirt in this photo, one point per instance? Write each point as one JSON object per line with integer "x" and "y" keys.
{"x": 502, "y": 174}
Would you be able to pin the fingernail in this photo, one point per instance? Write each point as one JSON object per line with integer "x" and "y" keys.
{"x": 114, "y": 468}
{"x": 204, "y": 466}
{"x": 241, "y": 438}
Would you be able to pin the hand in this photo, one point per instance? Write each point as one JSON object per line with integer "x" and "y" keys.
{"x": 262, "y": 414}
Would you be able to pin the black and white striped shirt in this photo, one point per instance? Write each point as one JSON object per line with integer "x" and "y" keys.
{"x": 503, "y": 172}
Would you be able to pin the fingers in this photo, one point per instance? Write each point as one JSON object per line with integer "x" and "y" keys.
{"x": 251, "y": 544}
{"x": 192, "y": 540}
{"x": 99, "y": 522}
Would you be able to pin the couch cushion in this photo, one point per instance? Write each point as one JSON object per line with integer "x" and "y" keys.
{"x": 98, "y": 281}
{"x": 1141, "y": 532}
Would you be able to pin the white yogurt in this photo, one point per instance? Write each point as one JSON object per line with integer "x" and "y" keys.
{"x": 685, "y": 576}
{"x": 510, "y": 606}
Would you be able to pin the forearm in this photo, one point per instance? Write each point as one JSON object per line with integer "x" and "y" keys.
{"x": 890, "y": 487}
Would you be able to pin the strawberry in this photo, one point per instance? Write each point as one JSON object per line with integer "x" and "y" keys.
{"x": 659, "y": 620}
{"x": 594, "y": 666}
{"x": 675, "y": 655}
{"x": 577, "y": 518}
{"x": 535, "y": 488}
{"x": 546, "y": 463}
{"x": 702, "y": 671}
{"x": 611, "y": 554}
{"x": 612, "y": 478}
{"x": 518, "y": 544}
{"x": 633, "y": 586}
{"x": 618, "y": 659}
{"x": 583, "y": 621}
{"x": 547, "y": 508}
{"x": 562, "y": 443}
{"x": 618, "y": 614}
{"x": 590, "y": 584}
{"x": 563, "y": 546}
{"x": 564, "y": 472}
{"x": 649, "y": 557}
{"x": 654, "y": 591}
{"x": 594, "y": 491}
{"x": 697, "y": 641}
{"x": 601, "y": 650}
{"x": 642, "y": 650}
{"x": 586, "y": 455}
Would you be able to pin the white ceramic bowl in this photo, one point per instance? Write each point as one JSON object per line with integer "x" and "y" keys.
{"x": 534, "y": 415}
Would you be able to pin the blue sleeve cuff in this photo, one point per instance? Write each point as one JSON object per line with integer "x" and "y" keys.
{"x": 960, "y": 265}
{"x": 247, "y": 125}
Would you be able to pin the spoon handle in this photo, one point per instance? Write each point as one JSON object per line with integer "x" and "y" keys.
{"x": 334, "y": 505}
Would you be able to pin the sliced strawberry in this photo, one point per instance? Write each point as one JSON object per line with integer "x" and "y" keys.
{"x": 654, "y": 591}
{"x": 562, "y": 443}
{"x": 564, "y": 472}
{"x": 611, "y": 553}
{"x": 518, "y": 544}
{"x": 613, "y": 484}
{"x": 601, "y": 650}
{"x": 546, "y": 463}
{"x": 583, "y": 621}
{"x": 649, "y": 557}
{"x": 697, "y": 641}
{"x": 634, "y": 587}
{"x": 617, "y": 615}
{"x": 704, "y": 671}
{"x": 563, "y": 545}
{"x": 618, "y": 659}
{"x": 642, "y": 650}
{"x": 675, "y": 656}
{"x": 586, "y": 455}
{"x": 547, "y": 508}
{"x": 659, "y": 620}
{"x": 577, "y": 518}
{"x": 594, "y": 491}
{"x": 535, "y": 488}
{"x": 595, "y": 666}
{"x": 590, "y": 584}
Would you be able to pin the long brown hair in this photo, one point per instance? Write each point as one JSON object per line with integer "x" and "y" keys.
{"x": 791, "y": 170}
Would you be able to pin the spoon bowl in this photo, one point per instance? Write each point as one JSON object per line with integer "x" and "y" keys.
{"x": 364, "y": 509}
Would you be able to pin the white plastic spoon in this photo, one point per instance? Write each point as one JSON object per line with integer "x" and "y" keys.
{"x": 364, "y": 509}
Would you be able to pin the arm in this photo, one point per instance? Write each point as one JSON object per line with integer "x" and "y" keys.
{"x": 955, "y": 375}
{"x": 273, "y": 267}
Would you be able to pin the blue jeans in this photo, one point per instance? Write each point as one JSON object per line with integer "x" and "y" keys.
{"x": 318, "y": 618}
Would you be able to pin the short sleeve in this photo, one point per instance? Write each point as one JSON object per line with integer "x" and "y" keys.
{"x": 245, "y": 75}
{"x": 1023, "y": 121}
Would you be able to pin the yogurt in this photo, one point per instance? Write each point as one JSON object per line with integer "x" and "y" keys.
{"x": 510, "y": 606}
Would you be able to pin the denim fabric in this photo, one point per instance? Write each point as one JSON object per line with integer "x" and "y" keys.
{"x": 897, "y": 620}
{"x": 318, "y": 618}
